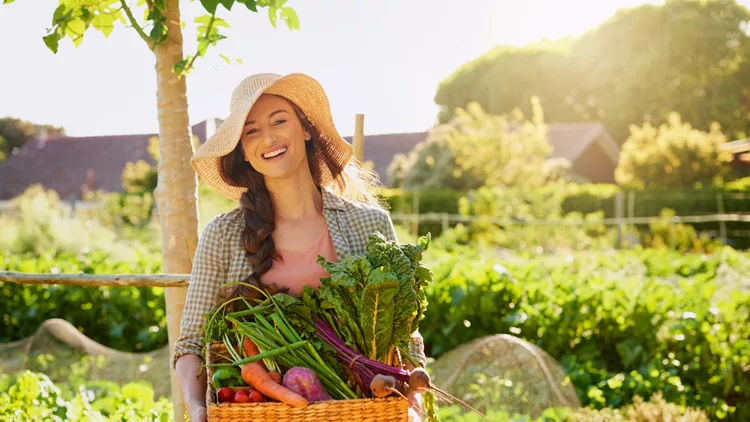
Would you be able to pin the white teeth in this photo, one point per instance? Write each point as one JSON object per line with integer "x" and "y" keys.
{"x": 275, "y": 153}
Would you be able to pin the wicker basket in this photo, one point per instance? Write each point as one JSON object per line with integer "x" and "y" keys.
{"x": 364, "y": 410}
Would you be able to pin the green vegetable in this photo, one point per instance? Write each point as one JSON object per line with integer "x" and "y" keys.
{"x": 227, "y": 377}
{"x": 375, "y": 302}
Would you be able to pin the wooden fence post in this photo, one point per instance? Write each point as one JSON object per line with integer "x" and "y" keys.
{"x": 722, "y": 223}
{"x": 619, "y": 214}
{"x": 359, "y": 137}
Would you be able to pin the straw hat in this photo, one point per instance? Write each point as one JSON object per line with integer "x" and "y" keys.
{"x": 300, "y": 89}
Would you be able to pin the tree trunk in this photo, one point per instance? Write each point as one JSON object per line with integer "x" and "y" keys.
{"x": 176, "y": 192}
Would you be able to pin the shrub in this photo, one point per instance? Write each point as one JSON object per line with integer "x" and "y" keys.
{"x": 622, "y": 324}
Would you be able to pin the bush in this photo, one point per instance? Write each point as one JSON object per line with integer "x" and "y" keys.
{"x": 621, "y": 324}
{"x": 38, "y": 221}
{"x": 130, "y": 319}
{"x": 655, "y": 410}
{"x": 672, "y": 155}
{"x": 32, "y": 396}
{"x": 522, "y": 208}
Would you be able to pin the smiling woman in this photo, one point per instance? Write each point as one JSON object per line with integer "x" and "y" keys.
{"x": 301, "y": 195}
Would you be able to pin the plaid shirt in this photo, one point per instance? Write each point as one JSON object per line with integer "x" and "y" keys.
{"x": 220, "y": 259}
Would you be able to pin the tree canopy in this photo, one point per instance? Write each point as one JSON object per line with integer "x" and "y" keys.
{"x": 687, "y": 56}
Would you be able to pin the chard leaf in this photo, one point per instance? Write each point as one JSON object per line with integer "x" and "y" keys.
{"x": 334, "y": 300}
{"x": 387, "y": 254}
{"x": 376, "y": 318}
{"x": 405, "y": 311}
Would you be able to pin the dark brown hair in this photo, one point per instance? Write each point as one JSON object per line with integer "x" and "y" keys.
{"x": 258, "y": 210}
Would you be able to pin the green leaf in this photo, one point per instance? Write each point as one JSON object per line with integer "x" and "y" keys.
{"x": 203, "y": 19}
{"x": 272, "y": 15}
{"x": 52, "y": 41}
{"x": 202, "y": 46}
{"x": 238, "y": 60}
{"x": 290, "y": 17}
{"x": 225, "y": 58}
{"x": 104, "y": 22}
{"x": 405, "y": 312}
{"x": 61, "y": 14}
{"x": 210, "y": 5}
{"x": 8, "y": 1}
{"x": 250, "y": 4}
{"x": 376, "y": 314}
{"x": 227, "y": 4}
{"x": 158, "y": 31}
{"x": 219, "y": 22}
{"x": 76, "y": 26}
{"x": 179, "y": 67}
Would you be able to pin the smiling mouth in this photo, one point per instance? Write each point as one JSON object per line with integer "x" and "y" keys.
{"x": 274, "y": 153}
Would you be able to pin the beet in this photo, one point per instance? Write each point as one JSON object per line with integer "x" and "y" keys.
{"x": 306, "y": 383}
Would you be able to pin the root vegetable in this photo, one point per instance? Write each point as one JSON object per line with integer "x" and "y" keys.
{"x": 275, "y": 376}
{"x": 383, "y": 385}
{"x": 419, "y": 380}
{"x": 306, "y": 383}
{"x": 256, "y": 375}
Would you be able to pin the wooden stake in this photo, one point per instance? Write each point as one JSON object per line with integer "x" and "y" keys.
{"x": 359, "y": 137}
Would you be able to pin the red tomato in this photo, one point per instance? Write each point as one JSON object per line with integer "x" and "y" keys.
{"x": 241, "y": 397}
{"x": 226, "y": 395}
{"x": 256, "y": 397}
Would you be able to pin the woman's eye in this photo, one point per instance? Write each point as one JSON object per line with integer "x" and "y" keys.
{"x": 280, "y": 121}
{"x": 251, "y": 131}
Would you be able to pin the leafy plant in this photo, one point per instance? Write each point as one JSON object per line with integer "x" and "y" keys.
{"x": 622, "y": 324}
{"x": 32, "y": 396}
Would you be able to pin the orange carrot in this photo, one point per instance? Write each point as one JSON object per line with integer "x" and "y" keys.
{"x": 251, "y": 350}
{"x": 256, "y": 375}
{"x": 276, "y": 377}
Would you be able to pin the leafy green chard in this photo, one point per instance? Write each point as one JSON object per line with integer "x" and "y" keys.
{"x": 377, "y": 315}
{"x": 375, "y": 302}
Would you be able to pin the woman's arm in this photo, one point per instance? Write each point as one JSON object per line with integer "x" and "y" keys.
{"x": 208, "y": 274}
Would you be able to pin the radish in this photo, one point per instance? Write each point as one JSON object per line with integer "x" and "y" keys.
{"x": 383, "y": 385}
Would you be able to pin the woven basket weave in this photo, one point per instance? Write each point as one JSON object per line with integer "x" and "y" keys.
{"x": 362, "y": 410}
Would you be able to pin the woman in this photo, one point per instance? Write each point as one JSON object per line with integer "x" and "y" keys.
{"x": 300, "y": 193}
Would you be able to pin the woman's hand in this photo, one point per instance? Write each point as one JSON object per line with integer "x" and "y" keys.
{"x": 415, "y": 400}
{"x": 198, "y": 414}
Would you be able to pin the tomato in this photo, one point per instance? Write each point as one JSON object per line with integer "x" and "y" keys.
{"x": 226, "y": 395}
{"x": 241, "y": 397}
{"x": 256, "y": 397}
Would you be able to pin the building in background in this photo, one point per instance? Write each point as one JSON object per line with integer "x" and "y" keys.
{"x": 67, "y": 164}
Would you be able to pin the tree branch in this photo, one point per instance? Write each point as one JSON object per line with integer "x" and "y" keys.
{"x": 198, "y": 52}
{"x": 133, "y": 22}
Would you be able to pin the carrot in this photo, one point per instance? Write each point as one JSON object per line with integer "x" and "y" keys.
{"x": 256, "y": 375}
{"x": 251, "y": 350}
{"x": 276, "y": 377}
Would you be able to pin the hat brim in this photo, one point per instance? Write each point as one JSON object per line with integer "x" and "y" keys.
{"x": 307, "y": 94}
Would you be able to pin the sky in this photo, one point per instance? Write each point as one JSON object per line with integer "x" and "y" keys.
{"x": 381, "y": 58}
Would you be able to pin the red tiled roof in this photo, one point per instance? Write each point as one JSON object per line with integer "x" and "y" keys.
{"x": 62, "y": 163}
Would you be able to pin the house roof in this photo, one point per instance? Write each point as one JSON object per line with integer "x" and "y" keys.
{"x": 62, "y": 163}
{"x": 568, "y": 140}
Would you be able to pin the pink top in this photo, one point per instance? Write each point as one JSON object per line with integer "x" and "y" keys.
{"x": 298, "y": 268}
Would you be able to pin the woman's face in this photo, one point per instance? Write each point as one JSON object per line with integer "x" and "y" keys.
{"x": 273, "y": 139}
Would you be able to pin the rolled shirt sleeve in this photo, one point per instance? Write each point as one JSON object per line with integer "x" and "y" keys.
{"x": 207, "y": 276}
